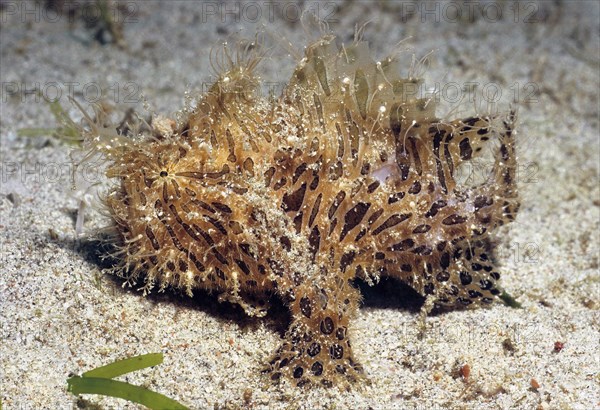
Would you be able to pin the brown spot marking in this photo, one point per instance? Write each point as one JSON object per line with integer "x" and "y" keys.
{"x": 422, "y": 229}
{"x": 422, "y": 250}
{"x": 314, "y": 240}
{"x": 443, "y": 276}
{"x": 465, "y": 278}
{"x": 415, "y": 152}
{"x": 216, "y": 223}
{"x": 327, "y": 326}
{"x": 222, "y": 207}
{"x": 393, "y": 198}
{"x": 336, "y": 203}
{"x": 280, "y": 183}
{"x": 243, "y": 266}
{"x": 481, "y": 202}
{"x": 314, "y": 349}
{"x": 346, "y": 260}
{"x": 269, "y": 173}
{"x": 353, "y": 217}
{"x": 391, "y": 222}
{"x": 305, "y": 307}
{"x": 198, "y": 264}
{"x": 372, "y": 187}
{"x": 415, "y": 188}
{"x": 249, "y": 166}
{"x": 315, "y": 183}
{"x": 336, "y": 351}
{"x": 435, "y": 207}
{"x": 454, "y": 219}
{"x": 298, "y": 371}
{"x": 317, "y": 368}
{"x": 231, "y": 146}
{"x": 298, "y": 172}
{"x": 293, "y": 202}
{"x": 465, "y": 149}
{"x": 152, "y": 238}
{"x": 315, "y": 210}
{"x": 445, "y": 260}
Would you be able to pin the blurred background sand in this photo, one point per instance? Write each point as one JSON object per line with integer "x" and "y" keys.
{"x": 59, "y": 314}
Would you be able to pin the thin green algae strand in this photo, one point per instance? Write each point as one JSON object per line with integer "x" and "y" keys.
{"x": 99, "y": 381}
{"x": 128, "y": 365}
{"x": 114, "y": 388}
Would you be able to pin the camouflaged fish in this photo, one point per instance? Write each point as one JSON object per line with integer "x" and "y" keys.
{"x": 347, "y": 175}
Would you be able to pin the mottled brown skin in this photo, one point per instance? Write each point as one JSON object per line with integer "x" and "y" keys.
{"x": 300, "y": 196}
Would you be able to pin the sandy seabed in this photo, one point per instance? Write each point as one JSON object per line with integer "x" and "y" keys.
{"x": 60, "y": 315}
